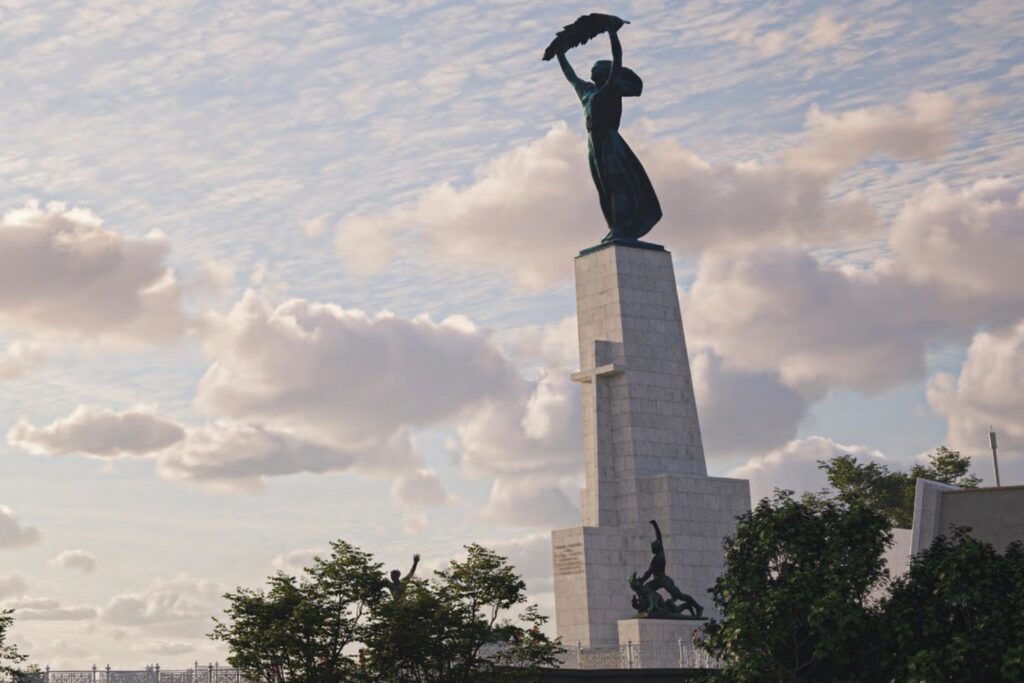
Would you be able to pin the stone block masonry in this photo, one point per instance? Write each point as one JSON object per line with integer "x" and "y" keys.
{"x": 644, "y": 458}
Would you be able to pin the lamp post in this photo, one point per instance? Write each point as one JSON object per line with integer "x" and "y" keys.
{"x": 995, "y": 460}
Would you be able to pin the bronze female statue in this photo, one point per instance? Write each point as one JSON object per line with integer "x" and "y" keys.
{"x": 628, "y": 201}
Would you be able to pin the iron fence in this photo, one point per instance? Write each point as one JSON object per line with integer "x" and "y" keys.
{"x": 212, "y": 673}
{"x": 678, "y": 655}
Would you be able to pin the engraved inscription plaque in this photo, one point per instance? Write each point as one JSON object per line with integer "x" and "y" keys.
{"x": 568, "y": 558}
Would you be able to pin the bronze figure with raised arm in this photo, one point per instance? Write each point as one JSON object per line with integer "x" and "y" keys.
{"x": 659, "y": 579}
{"x": 628, "y": 201}
{"x": 396, "y": 584}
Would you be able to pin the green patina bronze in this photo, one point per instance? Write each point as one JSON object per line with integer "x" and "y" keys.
{"x": 628, "y": 201}
{"x": 648, "y": 602}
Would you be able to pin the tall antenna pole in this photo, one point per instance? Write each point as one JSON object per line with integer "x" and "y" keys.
{"x": 995, "y": 460}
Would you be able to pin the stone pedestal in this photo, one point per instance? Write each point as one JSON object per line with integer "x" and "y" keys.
{"x": 642, "y": 447}
{"x": 655, "y": 643}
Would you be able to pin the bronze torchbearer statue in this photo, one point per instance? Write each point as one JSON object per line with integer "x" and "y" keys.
{"x": 628, "y": 201}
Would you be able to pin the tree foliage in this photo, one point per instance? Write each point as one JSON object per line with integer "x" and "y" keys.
{"x": 794, "y": 594}
{"x": 891, "y": 492}
{"x": 452, "y": 628}
{"x": 10, "y": 658}
{"x": 297, "y": 630}
{"x": 958, "y": 614}
{"x": 796, "y": 606}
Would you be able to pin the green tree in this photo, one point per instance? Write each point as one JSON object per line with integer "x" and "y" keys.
{"x": 794, "y": 593}
{"x": 297, "y": 630}
{"x": 454, "y": 628}
{"x": 892, "y": 492}
{"x": 958, "y": 614}
{"x": 10, "y": 658}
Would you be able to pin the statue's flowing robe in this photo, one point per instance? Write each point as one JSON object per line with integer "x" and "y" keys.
{"x": 628, "y": 200}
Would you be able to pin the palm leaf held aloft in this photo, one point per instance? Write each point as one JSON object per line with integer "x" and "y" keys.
{"x": 580, "y": 31}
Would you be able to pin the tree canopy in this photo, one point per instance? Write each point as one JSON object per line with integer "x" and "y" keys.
{"x": 957, "y": 614}
{"x": 796, "y": 601}
{"x": 891, "y": 492}
{"x": 335, "y": 623}
{"x": 10, "y": 658}
{"x": 794, "y": 593}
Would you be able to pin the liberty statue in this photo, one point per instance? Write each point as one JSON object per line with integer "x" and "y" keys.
{"x": 628, "y": 201}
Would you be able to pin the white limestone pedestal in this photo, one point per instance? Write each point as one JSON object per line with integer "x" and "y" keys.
{"x": 657, "y": 643}
{"x": 642, "y": 447}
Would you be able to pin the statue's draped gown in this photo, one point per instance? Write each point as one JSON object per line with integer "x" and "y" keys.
{"x": 628, "y": 201}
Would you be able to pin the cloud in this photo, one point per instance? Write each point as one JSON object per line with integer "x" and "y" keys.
{"x": 835, "y": 142}
{"x": 795, "y": 466}
{"x": 78, "y": 560}
{"x": 781, "y": 310}
{"x": 826, "y": 32}
{"x": 414, "y": 523}
{"x": 531, "y": 557}
{"x": 167, "y": 648}
{"x": 532, "y": 501}
{"x": 294, "y": 561}
{"x": 48, "y": 609}
{"x": 22, "y": 357}
{"x": 344, "y": 378}
{"x": 184, "y": 600}
{"x": 62, "y": 272}
{"x": 12, "y": 586}
{"x": 419, "y": 488}
{"x": 98, "y": 432}
{"x": 950, "y": 270}
{"x": 968, "y": 243}
{"x": 241, "y": 455}
{"x": 538, "y": 203}
{"x": 531, "y": 446}
{"x": 13, "y": 534}
{"x": 743, "y": 412}
{"x": 987, "y": 393}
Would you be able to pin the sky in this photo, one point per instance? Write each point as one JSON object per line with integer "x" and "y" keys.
{"x": 277, "y": 273}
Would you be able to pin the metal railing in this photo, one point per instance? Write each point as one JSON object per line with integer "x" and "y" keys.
{"x": 678, "y": 655}
{"x": 211, "y": 673}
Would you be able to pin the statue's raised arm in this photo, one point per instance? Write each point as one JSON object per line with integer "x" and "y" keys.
{"x": 412, "y": 570}
{"x": 657, "y": 532}
{"x": 616, "y": 72}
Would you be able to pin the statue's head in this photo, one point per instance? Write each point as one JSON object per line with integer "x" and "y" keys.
{"x": 600, "y": 71}
{"x": 395, "y": 575}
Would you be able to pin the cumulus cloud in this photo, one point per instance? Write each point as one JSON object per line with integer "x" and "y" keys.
{"x": 419, "y": 488}
{"x": 21, "y": 358}
{"x": 821, "y": 325}
{"x": 78, "y": 560}
{"x": 49, "y": 609}
{"x": 816, "y": 325}
{"x": 533, "y": 501}
{"x": 795, "y": 466}
{"x": 921, "y": 128}
{"x": 343, "y": 377}
{"x": 98, "y": 432}
{"x": 182, "y": 600}
{"x": 743, "y": 412}
{"x": 14, "y": 534}
{"x": 987, "y": 393}
{"x": 539, "y": 204}
{"x": 294, "y": 561}
{"x": 12, "y": 586}
{"x": 531, "y": 446}
{"x": 241, "y": 455}
{"x": 967, "y": 242}
{"x": 531, "y": 557}
{"x": 61, "y": 271}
